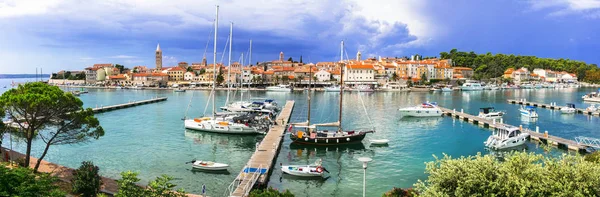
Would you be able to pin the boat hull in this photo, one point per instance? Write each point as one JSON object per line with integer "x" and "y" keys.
{"x": 212, "y": 166}
{"x": 330, "y": 141}
{"x": 228, "y": 129}
{"x": 304, "y": 172}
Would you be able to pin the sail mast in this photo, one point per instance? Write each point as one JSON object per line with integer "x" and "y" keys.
{"x": 215, "y": 62}
{"x": 229, "y": 63}
{"x": 341, "y": 83}
{"x": 309, "y": 81}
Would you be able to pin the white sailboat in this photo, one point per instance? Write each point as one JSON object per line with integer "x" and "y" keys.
{"x": 219, "y": 124}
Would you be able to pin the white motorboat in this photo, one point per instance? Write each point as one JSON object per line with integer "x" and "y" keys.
{"x": 526, "y": 86}
{"x": 529, "y": 112}
{"x": 569, "y": 109}
{"x": 209, "y": 165}
{"x": 380, "y": 142}
{"x": 213, "y": 125}
{"x": 363, "y": 88}
{"x": 471, "y": 86}
{"x": 332, "y": 89}
{"x": 394, "y": 87}
{"x": 592, "y": 96}
{"x": 446, "y": 89}
{"x": 592, "y": 108}
{"x": 424, "y": 110}
{"x": 315, "y": 170}
{"x": 490, "y": 113}
{"x": 506, "y": 137}
{"x": 279, "y": 88}
{"x": 179, "y": 90}
{"x": 538, "y": 86}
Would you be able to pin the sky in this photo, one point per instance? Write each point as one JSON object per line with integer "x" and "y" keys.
{"x": 74, "y": 34}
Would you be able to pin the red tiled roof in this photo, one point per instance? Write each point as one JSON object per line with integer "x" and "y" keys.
{"x": 360, "y": 66}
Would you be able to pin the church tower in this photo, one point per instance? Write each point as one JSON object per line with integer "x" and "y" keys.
{"x": 358, "y": 56}
{"x": 204, "y": 61}
{"x": 158, "y": 58}
{"x": 281, "y": 56}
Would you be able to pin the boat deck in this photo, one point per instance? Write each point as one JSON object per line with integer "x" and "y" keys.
{"x": 550, "y": 106}
{"x": 534, "y": 135}
{"x": 260, "y": 165}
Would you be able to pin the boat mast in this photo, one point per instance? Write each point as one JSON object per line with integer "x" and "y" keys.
{"x": 309, "y": 81}
{"x": 215, "y": 62}
{"x": 242, "y": 77}
{"x": 341, "y": 83}
{"x": 229, "y": 64}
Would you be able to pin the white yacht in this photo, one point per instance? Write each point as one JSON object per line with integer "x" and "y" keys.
{"x": 506, "y": 137}
{"x": 424, "y": 110}
{"x": 526, "y": 86}
{"x": 569, "y": 109}
{"x": 279, "y": 88}
{"x": 394, "y": 87}
{"x": 447, "y": 89}
{"x": 592, "y": 108}
{"x": 490, "y": 113}
{"x": 471, "y": 86}
{"x": 333, "y": 89}
{"x": 363, "y": 88}
{"x": 529, "y": 112}
{"x": 592, "y": 96}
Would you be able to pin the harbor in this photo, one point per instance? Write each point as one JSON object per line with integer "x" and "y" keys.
{"x": 552, "y": 106}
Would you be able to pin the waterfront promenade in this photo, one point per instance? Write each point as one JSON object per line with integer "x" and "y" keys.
{"x": 258, "y": 168}
{"x": 534, "y": 135}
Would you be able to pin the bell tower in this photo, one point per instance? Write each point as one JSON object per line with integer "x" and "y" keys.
{"x": 158, "y": 58}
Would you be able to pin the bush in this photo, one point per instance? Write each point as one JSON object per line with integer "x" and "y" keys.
{"x": 593, "y": 157}
{"x": 86, "y": 181}
{"x": 270, "y": 192}
{"x": 519, "y": 174}
{"x": 160, "y": 187}
{"x": 23, "y": 182}
{"x": 399, "y": 192}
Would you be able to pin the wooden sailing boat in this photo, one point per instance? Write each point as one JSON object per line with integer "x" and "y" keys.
{"x": 312, "y": 136}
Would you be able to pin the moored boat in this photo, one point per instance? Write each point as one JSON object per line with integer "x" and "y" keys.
{"x": 506, "y": 137}
{"x": 209, "y": 165}
{"x": 332, "y": 89}
{"x": 279, "y": 88}
{"x": 471, "y": 86}
{"x": 569, "y": 109}
{"x": 528, "y": 112}
{"x": 315, "y": 170}
{"x": 424, "y": 110}
{"x": 490, "y": 113}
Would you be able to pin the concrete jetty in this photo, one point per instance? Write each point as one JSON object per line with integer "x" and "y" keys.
{"x": 127, "y": 105}
{"x": 551, "y": 106}
{"x": 534, "y": 135}
{"x": 259, "y": 167}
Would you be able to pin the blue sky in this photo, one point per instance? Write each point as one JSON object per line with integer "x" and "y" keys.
{"x": 73, "y": 34}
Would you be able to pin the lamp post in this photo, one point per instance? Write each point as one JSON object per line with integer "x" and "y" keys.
{"x": 364, "y": 160}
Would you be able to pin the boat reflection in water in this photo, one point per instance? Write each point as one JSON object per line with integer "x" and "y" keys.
{"x": 243, "y": 142}
{"x": 500, "y": 154}
{"x": 423, "y": 121}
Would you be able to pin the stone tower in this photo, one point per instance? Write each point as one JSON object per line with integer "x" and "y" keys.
{"x": 281, "y": 56}
{"x": 204, "y": 61}
{"x": 358, "y": 56}
{"x": 158, "y": 58}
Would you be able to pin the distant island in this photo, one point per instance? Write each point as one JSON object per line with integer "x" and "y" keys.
{"x": 16, "y": 76}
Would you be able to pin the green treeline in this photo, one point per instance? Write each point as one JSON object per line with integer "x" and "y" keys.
{"x": 487, "y": 65}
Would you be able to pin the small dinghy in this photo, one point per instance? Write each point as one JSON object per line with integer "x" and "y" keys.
{"x": 208, "y": 165}
{"x": 315, "y": 170}
{"x": 380, "y": 142}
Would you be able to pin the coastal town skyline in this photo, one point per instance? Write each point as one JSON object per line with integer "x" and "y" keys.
{"x": 80, "y": 35}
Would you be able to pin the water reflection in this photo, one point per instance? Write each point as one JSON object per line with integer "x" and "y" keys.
{"x": 238, "y": 141}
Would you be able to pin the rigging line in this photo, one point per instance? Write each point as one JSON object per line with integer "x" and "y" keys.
{"x": 225, "y": 49}
{"x": 359, "y": 96}
{"x": 207, "y": 103}
{"x": 189, "y": 105}
{"x": 208, "y": 40}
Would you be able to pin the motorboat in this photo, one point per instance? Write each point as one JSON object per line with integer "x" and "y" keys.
{"x": 424, "y": 110}
{"x": 179, "y": 90}
{"x": 279, "y": 88}
{"x": 446, "y": 89}
{"x": 528, "y": 112}
{"x": 436, "y": 89}
{"x": 592, "y": 108}
{"x": 569, "y": 109}
{"x": 221, "y": 125}
{"x": 592, "y": 96}
{"x": 380, "y": 142}
{"x": 420, "y": 88}
{"x": 314, "y": 170}
{"x": 526, "y": 86}
{"x": 209, "y": 165}
{"x": 490, "y": 113}
{"x": 332, "y": 89}
{"x": 506, "y": 137}
{"x": 394, "y": 87}
{"x": 538, "y": 86}
{"x": 471, "y": 86}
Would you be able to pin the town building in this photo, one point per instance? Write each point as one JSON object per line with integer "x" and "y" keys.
{"x": 359, "y": 73}
{"x": 323, "y": 76}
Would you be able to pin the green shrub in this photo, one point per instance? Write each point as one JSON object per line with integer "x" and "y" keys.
{"x": 399, "y": 192}
{"x": 593, "y": 157}
{"x": 23, "y": 182}
{"x": 86, "y": 181}
{"x": 270, "y": 192}
{"x": 160, "y": 187}
{"x": 519, "y": 174}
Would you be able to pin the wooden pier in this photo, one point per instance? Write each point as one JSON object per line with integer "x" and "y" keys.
{"x": 102, "y": 109}
{"x": 258, "y": 168}
{"x": 550, "y": 106}
{"x": 542, "y": 137}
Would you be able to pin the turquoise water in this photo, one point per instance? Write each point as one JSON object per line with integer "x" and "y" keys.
{"x": 150, "y": 139}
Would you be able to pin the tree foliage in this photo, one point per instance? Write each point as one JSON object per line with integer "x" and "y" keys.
{"x": 399, "y": 192}
{"x": 86, "y": 180}
{"x": 23, "y": 182}
{"x": 160, "y": 187}
{"x": 44, "y": 111}
{"x": 593, "y": 157}
{"x": 519, "y": 174}
{"x": 270, "y": 192}
{"x": 489, "y": 66}
{"x": 120, "y": 67}
{"x": 220, "y": 78}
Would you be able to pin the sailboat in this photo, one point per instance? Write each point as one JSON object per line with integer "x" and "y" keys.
{"x": 312, "y": 136}
{"x": 229, "y": 125}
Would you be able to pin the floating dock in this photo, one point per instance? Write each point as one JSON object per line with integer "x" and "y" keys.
{"x": 542, "y": 137}
{"x": 258, "y": 168}
{"x": 550, "y": 106}
{"x": 102, "y": 109}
